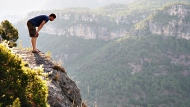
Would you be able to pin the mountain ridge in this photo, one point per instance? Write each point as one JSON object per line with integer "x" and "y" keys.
{"x": 169, "y": 21}
{"x": 93, "y": 23}
{"x": 144, "y": 68}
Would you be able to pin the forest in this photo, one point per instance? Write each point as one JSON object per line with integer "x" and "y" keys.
{"x": 147, "y": 70}
{"x": 137, "y": 71}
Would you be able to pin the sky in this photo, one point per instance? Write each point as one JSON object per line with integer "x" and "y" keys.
{"x": 19, "y": 7}
{"x": 22, "y": 7}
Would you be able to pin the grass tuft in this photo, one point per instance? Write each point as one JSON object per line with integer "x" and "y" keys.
{"x": 84, "y": 104}
{"x": 56, "y": 77}
{"x": 58, "y": 68}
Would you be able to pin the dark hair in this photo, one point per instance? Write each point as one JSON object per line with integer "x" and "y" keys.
{"x": 53, "y": 15}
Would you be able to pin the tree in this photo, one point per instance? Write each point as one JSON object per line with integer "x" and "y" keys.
{"x": 9, "y": 33}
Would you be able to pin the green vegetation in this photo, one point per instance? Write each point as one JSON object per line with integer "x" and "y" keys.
{"x": 136, "y": 71}
{"x": 16, "y": 103}
{"x": 20, "y": 84}
{"x": 128, "y": 71}
{"x": 72, "y": 48}
{"x": 58, "y": 68}
{"x": 9, "y": 33}
{"x": 148, "y": 71}
{"x": 161, "y": 17}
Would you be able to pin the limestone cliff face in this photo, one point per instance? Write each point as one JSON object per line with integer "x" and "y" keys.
{"x": 84, "y": 28}
{"x": 87, "y": 25}
{"x": 85, "y": 31}
{"x": 175, "y": 27}
{"x": 63, "y": 92}
{"x": 172, "y": 21}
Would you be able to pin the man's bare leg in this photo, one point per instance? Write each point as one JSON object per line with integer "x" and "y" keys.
{"x": 33, "y": 41}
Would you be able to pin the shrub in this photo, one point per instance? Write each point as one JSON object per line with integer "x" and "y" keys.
{"x": 16, "y": 103}
{"x": 9, "y": 33}
{"x": 18, "y": 81}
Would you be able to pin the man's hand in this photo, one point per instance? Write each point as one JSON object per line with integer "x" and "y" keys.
{"x": 41, "y": 25}
{"x": 36, "y": 35}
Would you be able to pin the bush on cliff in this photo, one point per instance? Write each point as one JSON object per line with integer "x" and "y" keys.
{"x": 18, "y": 81}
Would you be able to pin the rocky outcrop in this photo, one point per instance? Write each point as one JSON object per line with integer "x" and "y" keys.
{"x": 63, "y": 92}
{"x": 172, "y": 21}
{"x": 85, "y": 31}
{"x": 176, "y": 26}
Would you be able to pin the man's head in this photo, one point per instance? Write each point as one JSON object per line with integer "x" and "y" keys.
{"x": 52, "y": 17}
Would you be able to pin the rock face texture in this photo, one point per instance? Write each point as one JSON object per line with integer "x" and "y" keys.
{"x": 63, "y": 92}
{"x": 171, "y": 21}
{"x": 85, "y": 31}
{"x": 177, "y": 24}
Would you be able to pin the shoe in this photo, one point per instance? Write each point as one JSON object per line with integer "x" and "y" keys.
{"x": 35, "y": 51}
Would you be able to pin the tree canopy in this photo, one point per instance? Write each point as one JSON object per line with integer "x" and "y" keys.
{"x": 9, "y": 33}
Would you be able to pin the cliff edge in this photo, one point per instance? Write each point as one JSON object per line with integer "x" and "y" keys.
{"x": 62, "y": 91}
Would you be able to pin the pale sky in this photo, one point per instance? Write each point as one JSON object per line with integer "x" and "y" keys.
{"x": 19, "y": 7}
{"x": 22, "y": 7}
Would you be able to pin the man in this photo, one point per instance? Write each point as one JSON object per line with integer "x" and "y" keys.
{"x": 39, "y": 22}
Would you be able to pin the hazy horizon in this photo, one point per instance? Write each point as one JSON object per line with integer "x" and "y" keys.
{"x": 21, "y": 8}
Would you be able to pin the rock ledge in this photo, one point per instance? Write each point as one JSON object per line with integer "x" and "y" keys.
{"x": 63, "y": 92}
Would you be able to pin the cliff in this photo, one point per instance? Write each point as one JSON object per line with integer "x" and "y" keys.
{"x": 62, "y": 91}
{"x": 103, "y": 23}
{"x": 171, "y": 20}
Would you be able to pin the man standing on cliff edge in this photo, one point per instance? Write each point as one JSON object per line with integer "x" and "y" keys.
{"x": 39, "y": 22}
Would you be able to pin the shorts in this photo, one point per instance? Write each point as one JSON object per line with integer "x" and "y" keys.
{"x": 31, "y": 29}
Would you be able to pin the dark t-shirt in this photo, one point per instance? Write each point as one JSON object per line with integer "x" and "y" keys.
{"x": 36, "y": 21}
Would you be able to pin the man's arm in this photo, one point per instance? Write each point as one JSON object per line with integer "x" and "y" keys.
{"x": 41, "y": 25}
